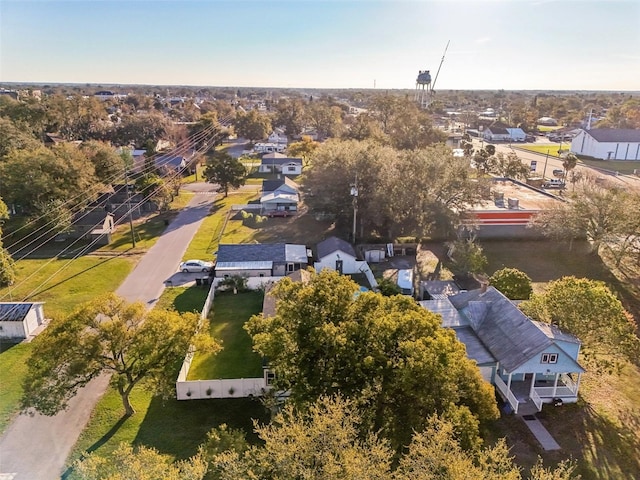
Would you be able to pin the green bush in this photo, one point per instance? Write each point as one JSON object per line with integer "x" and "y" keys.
{"x": 513, "y": 283}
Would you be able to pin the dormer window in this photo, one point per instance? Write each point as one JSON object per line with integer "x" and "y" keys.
{"x": 549, "y": 358}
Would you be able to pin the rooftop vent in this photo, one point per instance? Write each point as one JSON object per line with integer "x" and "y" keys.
{"x": 513, "y": 203}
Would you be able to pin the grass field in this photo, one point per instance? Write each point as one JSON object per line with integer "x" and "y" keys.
{"x": 205, "y": 241}
{"x": 625, "y": 168}
{"x": 13, "y": 367}
{"x": 237, "y": 359}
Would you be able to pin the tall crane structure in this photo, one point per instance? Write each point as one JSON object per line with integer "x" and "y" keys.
{"x": 424, "y": 86}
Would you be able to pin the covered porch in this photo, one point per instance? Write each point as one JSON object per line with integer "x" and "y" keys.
{"x": 538, "y": 389}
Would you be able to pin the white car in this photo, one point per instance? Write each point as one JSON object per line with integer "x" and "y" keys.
{"x": 195, "y": 266}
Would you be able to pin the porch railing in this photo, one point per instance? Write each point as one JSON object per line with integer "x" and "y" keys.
{"x": 561, "y": 391}
{"x": 536, "y": 399}
{"x": 508, "y": 394}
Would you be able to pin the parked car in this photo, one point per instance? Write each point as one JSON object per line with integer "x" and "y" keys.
{"x": 558, "y": 172}
{"x": 553, "y": 183}
{"x": 195, "y": 266}
{"x": 279, "y": 213}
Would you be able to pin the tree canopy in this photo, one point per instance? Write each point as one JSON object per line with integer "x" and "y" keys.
{"x": 109, "y": 335}
{"x": 139, "y": 463}
{"x": 252, "y": 125}
{"x": 400, "y": 192}
{"x": 226, "y": 171}
{"x": 324, "y": 443}
{"x": 387, "y": 354}
{"x": 589, "y": 310}
{"x": 7, "y": 266}
{"x": 513, "y": 283}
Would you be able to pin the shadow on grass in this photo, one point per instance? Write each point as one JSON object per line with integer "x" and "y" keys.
{"x": 192, "y": 299}
{"x": 177, "y": 428}
{"x": 603, "y": 449}
{"x": 7, "y": 345}
{"x": 99, "y": 443}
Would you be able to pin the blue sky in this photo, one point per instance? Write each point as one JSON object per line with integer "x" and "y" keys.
{"x": 495, "y": 44}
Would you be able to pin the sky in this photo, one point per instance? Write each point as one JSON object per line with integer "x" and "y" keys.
{"x": 494, "y": 44}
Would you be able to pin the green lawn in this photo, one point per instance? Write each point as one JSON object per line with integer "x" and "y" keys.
{"x": 552, "y": 148}
{"x": 237, "y": 359}
{"x": 64, "y": 284}
{"x": 183, "y": 299}
{"x": 205, "y": 241}
{"x": 175, "y": 428}
{"x": 13, "y": 367}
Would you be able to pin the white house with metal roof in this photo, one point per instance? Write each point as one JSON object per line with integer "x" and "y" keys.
{"x": 608, "y": 143}
{"x": 260, "y": 260}
{"x": 339, "y": 255}
{"x": 19, "y": 320}
{"x": 530, "y": 363}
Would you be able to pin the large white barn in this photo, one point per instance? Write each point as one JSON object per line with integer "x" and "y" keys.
{"x": 608, "y": 143}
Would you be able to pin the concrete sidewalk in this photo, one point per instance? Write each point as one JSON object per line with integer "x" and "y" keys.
{"x": 542, "y": 434}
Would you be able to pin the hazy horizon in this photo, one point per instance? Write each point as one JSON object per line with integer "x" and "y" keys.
{"x": 545, "y": 45}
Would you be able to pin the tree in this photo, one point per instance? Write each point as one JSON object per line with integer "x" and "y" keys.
{"x": 304, "y": 149}
{"x": 589, "y": 310}
{"x": 320, "y": 443}
{"x": 140, "y": 463}
{"x": 226, "y": 171}
{"x": 32, "y": 177}
{"x": 252, "y": 125}
{"x": 108, "y": 335}
{"x": 291, "y": 114}
{"x": 509, "y": 166}
{"x": 139, "y": 129}
{"x": 108, "y": 165}
{"x": 569, "y": 163}
{"x": 13, "y": 138}
{"x": 323, "y": 443}
{"x": 388, "y": 355}
{"x": 7, "y": 266}
{"x": 513, "y": 283}
{"x": 466, "y": 256}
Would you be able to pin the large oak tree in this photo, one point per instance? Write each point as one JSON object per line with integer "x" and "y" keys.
{"x": 109, "y": 335}
{"x": 387, "y": 354}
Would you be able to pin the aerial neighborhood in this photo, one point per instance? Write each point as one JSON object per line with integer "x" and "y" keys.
{"x": 230, "y": 280}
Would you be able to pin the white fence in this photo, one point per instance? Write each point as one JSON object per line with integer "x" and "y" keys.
{"x": 223, "y": 388}
{"x": 220, "y": 388}
{"x": 250, "y": 206}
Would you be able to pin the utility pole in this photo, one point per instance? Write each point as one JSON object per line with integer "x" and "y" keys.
{"x": 545, "y": 165}
{"x": 354, "y": 194}
{"x": 126, "y": 185}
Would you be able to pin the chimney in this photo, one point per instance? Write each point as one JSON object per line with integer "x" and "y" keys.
{"x": 483, "y": 287}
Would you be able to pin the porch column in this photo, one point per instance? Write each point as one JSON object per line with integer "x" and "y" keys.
{"x": 555, "y": 385}
{"x": 578, "y": 383}
{"x": 533, "y": 382}
{"x": 509, "y": 383}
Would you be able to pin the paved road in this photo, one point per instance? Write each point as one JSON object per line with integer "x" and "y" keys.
{"x": 36, "y": 447}
{"x": 553, "y": 163}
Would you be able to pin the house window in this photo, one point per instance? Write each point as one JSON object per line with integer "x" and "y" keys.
{"x": 290, "y": 267}
{"x": 270, "y": 377}
{"x": 261, "y": 275}
{"x": 291, "y": 169}
{"x": 549, "y": 358}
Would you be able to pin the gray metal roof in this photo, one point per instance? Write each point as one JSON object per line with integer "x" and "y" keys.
{"x": 614, "y": 134}
{"x": 280, "y": 160}
{"x": 440, "y": 288}
{"x": 510, "y": 336}
{"x": 555, "y": 333}
{"x": 451, "y": 318}
{"x": 14, "y": 311}
{"x": 264, "y": 265}
{"x": 333, "y": 244}
{"x": 475, "y": 348}
{"x": 273, "y": 185}
{"x": 261, "y": 252}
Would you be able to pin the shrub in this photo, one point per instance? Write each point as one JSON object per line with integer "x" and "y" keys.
{"x": 513, "y": 283}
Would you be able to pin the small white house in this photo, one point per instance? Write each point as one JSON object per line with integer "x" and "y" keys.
{"x": 608, "y": 143}
{"x": 278, "y": 138}
{"x": 339, "y": 255}
{"x": 19, "y": 320}
{"x": 279, "y": 163}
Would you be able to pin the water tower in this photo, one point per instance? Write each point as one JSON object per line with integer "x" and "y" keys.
{"x": 424, "y": 86}
{"x": 422, "y": 94}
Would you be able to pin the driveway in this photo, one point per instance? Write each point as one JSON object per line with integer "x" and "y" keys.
{"x": 36, "y": 447}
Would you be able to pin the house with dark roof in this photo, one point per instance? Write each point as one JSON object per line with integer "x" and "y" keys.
{"x": 530, "y": 363}
{"x": 260, "y": 260}
{"x": 608, "y": 143}
{"x": 280, "y": 195}
{"x": 339, "y": 255}
{"x": 19, "y": 320}
{"x": 279, "y": 163}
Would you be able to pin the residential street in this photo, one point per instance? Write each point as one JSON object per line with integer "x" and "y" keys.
{"x": 36, "y": 447}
